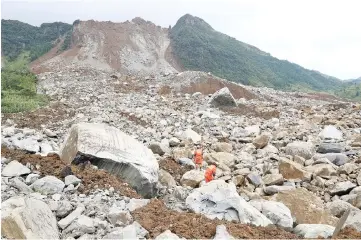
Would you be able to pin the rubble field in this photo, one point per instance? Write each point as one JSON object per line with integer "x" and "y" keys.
{"x": 52, "y": 165}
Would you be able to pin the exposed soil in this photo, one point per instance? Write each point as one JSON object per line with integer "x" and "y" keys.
{"x": 54, "y": 113}
{"x": 244, "y": 110}
{"x": 175, "y": 169}
{"x": 133, "y": 118}
{"x": 210, "y": 85}
{"x": 156, "y": 218}
{"x": 52, "y": 165}
{"x": 128, "y": 84}
{"x": 36, "y": 67}
{"x": 349, "y": 233}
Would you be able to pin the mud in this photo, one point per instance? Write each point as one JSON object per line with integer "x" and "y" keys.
{"x": 175, "y": 169}
{"x": 156, "y": 218}
{"x": 52, "y": 165}
{"x": 54, "y": 113}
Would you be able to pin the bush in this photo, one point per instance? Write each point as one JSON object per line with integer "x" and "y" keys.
{"x": 18, "y": 87}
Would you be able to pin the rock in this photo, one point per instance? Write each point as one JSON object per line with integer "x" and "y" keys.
{"x": 222, "y": 147}
{"x": 14, "y": 169}
{"x": 273, "y": 189}
{"x": 48, "y": 185}
{"x": 159, "y": 148}
{"x": 269, "y": 149}
{"x": 114, "y": 151}
{"x": 141, "y": 232}
{"x": 238, "y": 180}
{"x": 299, "y": 160}
{"x": 342, "y": 188}
{"x": 136, "y": 203}
{"x": 128, "y": 232}
{"x": 338, "y": 207}
{"x": 273, "y": 179}
{"x": 189, "y": 134}
{"x": 8, "y": 131}
{"x": 222, "y": 233}
{"x": 255, "y": 179}
{"x": 336, "y": 158}
{"x": 225, "y": 158}
{"x": 217, "y": 199}
{"x": 261, "y": 141}
{"x": 277, "y": 212}
{"x": 84, "y": 224}
{"x": 356, "y": 190}
{"x": 314, "y": 230}
{"x": 49, "y": 133}
{"x": 358, "y": 179}
{"x": 71, "y": 179}
{"x": 354, "y": 219}
{"x": 330, "y": 148}
{"x": 302, "y": 149}
{"x": 330, "y": 132}
{"x": 167, "y": 235}
{"x": 63, "y": 208}
{"x": 192, "y": 178}
{"x": 27, "y": 218}
{"x": 322, "y": 170}
{"x": 28, "y": 144}
{"x": 347, "y": 168}
{"x": 31, "y": 178}
{"x": 221, "y": 98}
{"x": 186, "y": 161}
{"x": 292, "y": 170}
{"x": 173, "y": 142}
{"x": 21, "y": 186}
{"x": 63, "y": 223}
{"x": 305, "y": 206}
{"x": 252, "y": 130}
{"x": 118, "y": 217}
{"x": 166, "y": 179}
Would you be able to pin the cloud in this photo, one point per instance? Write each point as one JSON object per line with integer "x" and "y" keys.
{"x": 323, "y": 35}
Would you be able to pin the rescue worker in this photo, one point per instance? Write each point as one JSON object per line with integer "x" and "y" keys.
{"x": 198, "y": 157}
{"x": 210, "y": 173}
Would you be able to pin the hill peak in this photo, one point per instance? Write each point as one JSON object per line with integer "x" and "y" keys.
{"x": 189, "y": 19}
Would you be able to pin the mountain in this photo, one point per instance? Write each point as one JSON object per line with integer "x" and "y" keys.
{"x": 199, "y": 47}
{"x": 357, "y": 80}
{"x": 17, "y": 37}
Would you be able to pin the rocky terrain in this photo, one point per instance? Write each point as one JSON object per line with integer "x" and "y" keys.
{"x": 288, "y": 163}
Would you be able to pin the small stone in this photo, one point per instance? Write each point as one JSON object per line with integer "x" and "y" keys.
{"x": 49, "y": 133}
{"x": 167, "y": 235}
{"x": 342, "y": 188}
{"x": 71, "y": 179}
{"x": 118, "y": 217}
{"x": 31, "y": 178}
{"x": 273, "y": 179}
{"x": 63, "y": 223}
{"x": 173, "y": 142}
{"x": 261, "y": 141}
{"x": 255, "y": 179}
{"x": 136, "y": 203}
{"x": 63, "y": 208}
{"x": 48, "y": 185}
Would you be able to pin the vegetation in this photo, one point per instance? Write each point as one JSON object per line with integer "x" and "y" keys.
{"x": 350, "y": 90}
{"x": 17, "y": 37}
{"x": 200, "y": 47}
{"x": 18, "y": 86}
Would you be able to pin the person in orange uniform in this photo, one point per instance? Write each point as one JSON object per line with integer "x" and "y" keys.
{"x": 210, "y": 173}
{"x": 198, "y": 157}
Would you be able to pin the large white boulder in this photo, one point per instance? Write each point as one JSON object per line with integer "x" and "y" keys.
{"x": 218, "y": 199}
{"x": 330, "y": 132}
{"x": 27, "y": 218}
{"x": 14, "y": 169}
{"x": 314, "y": 230}
{"x": 48, "y": 185}
{"x": 111, "y": 149}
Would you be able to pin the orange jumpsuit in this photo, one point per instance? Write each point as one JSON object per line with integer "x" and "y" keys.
{"x": 198, "y": 157}
{"x": 210, "y": 172}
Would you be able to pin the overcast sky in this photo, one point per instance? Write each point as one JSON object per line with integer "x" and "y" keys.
{"x": 323, "y": 35}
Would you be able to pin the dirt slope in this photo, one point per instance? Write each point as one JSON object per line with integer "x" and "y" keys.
{"x": 132, "y": 47}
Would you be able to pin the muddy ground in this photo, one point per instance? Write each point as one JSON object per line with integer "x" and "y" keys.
{"x": 53, "y": 165}
{"x": 175, "y": 169}
{"x": 156, "y": 218}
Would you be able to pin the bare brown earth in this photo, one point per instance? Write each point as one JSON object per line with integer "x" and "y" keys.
{"x": 52, "y": 165}
{"x": 210, "y": 85}
{"x": 55, "y": 112}
{"x": 244, "y": 110}
{"x": 156, "y": 218}
{"x": 175, "y": 169}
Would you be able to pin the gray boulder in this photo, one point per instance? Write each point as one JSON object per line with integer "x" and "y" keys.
{"x": 14, "y": 169}
{"x": 342, "y": 188}
{"x": 277, "y": 212}
{"x": 27, "y": 218}
{"x": 298, "y": 148}
{"x": 167, "y": 235}
{"x": 192, "y": 178}
{"x": 222, "y": 233}
{"x": 217, "y": 199}
{"x": 314, "y": 230}
{"x": 110, "y": 149}
{"x": 166, "y": 179}
{"x": 327, "y": 147}
{"x": 48, "y": 185}
{"x": 354, "y": 219}
{"x": 222, "y": 97}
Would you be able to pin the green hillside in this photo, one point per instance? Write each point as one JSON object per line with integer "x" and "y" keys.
{"x": 18, "y": 37}
{"x": 200, "y": 47}
{"x": 350, "y": 90}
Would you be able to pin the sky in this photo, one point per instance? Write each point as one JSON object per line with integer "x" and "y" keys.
{"x": 322, "y": 35}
